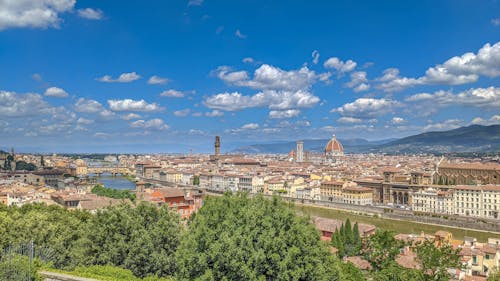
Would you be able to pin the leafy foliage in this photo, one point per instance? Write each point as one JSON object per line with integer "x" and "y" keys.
{"x": 23, "y": 166}
{"x": 234, "y": 237}
{"x": 108, "y": 273}
{"x": 382, "y": 248}
{"x": 113, "y": 193}
{"x": 394, "y": 272}
{"x": 435, "y": 261}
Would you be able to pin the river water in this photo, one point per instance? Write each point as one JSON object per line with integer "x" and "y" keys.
{"x": 117, "y": 182}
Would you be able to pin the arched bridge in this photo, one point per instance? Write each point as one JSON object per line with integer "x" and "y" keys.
{"x": 110, "y": 170}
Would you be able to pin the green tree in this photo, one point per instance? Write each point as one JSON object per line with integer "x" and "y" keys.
{"x": 435, "y": 261}
{"x": 382, "y": 248}
{"x": 394, "y": 272}
{"x": 23, "y": 166}
{"x": 494, "y": 276}
{"x": 143, "y": 239}
{"x": 235, "y": 237}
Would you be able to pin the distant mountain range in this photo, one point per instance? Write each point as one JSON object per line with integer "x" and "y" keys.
{"x": 474, "y": 138}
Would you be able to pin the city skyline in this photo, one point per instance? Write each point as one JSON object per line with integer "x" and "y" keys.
{"x": 83, "y": 74}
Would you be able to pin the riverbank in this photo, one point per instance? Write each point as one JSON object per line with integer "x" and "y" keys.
{"x": 398, "y": 226}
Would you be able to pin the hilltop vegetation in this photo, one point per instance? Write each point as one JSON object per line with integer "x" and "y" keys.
{"x": 233, "y": 237}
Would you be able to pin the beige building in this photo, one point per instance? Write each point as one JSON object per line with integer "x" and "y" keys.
{"x": 432, "y": 200}
{"x": 477, "y": 201}
{"x": 346, "y": 192}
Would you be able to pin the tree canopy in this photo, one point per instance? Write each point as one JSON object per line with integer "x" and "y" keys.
{"x": 235, "y": 237}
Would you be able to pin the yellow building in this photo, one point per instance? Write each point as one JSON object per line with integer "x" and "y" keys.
{"x": 331, "y": 191}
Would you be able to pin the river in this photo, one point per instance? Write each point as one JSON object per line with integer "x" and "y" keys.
{"x": 117, "y": 182}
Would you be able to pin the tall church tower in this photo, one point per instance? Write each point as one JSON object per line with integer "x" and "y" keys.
{"x": 217, "y": 147}
{"x": 300, "y": 152}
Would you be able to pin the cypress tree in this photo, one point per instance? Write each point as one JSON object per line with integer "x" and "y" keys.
{"x": 348, "y": 232}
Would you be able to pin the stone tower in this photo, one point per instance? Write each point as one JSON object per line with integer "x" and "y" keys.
{"x": 300, "y": 152}
{"x": 217, "y": 147}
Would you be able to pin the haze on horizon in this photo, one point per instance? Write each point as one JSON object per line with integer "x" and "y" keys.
{"x": 169, "y": 75}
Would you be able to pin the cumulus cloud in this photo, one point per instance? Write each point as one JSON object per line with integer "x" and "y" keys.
{"x": 367, "y": 108}
{"x": 173, "y": 93}
{"x": 153, "y": 124}
{"x": 33, "y": 13}
{"x": 495, "y": 119}
{"x": 90, "y": 14}
{"x": 457, "y": 70}
{"x": 358, "y": 81}
{"x": 340, "y": 66}
{"x": 84, "y": 121}
{"x": 277, "y": 114}
{"x": 131, "y": 116}
{"x": 13, "y": 104}
{"x": 88, "y": 106}
{"x": 487, "y": 98}
{"x": 445, "y": 125}
{"x": 56, "y": 92}
{"x": 213, "y": 113}
{"x": 133, "y": 105}
{"x": 495, "y": 22}
{"x": 250, "y": 126}
{"x": 315, "y": 56}
{"x": 157, "y": 80}
{"x": 272, "y": 99}
{"x": 349, "y": 120}
{"x": 397, "y": 120}
{"x": 182, "y": 113}
{"x": 123, "y": 78}
{"x": 92, "y": 106}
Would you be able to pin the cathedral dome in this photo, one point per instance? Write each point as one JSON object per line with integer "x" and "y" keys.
{"x": 334, "y": 146}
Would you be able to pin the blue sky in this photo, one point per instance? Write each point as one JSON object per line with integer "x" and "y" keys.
{"x": 167, "y": 76}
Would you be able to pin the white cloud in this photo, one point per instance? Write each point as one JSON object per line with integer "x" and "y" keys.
{"x": 358, "y": 81}
{"x": 131, "y": 116}
{"x": 339, "y": 65}
{"x": 56, "y": 92}
{"x": 268, "y": 77}
{"x": 250, "y": 126}
{"x": 90, "y": 14}
{"x": 182, "y": 113}
{"x": 133, "y": 105}
{"x": 173, "y": 93}
{"x": 20, "y": 105}
{"x": 33, "y": 13}
{"x": 487, "y": 98}
{"x": 239, "y": 34}
{"x": 349, "y": 120}
{"x": 123, "y": 78}
{"x": 272, "y": 99}
{"x": 276, "y": 114}
{"x": 495, "y": 119}
{"x": 495, "y": 22}
{"x": 88, "y": 106}
{"x": 457, "y": 70}
{"x": 397, "y": 120}
{"x": 84, "y": 121}
{"x": 92, "y": 106}
{"x": 315, "y": 56}
{"x": 154, "y": 124}
{"x": 156, "y": 80}
{"x": 445, "y": 125}
{"x": 367, "y": 108}
{"x": 213, "y": 113}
